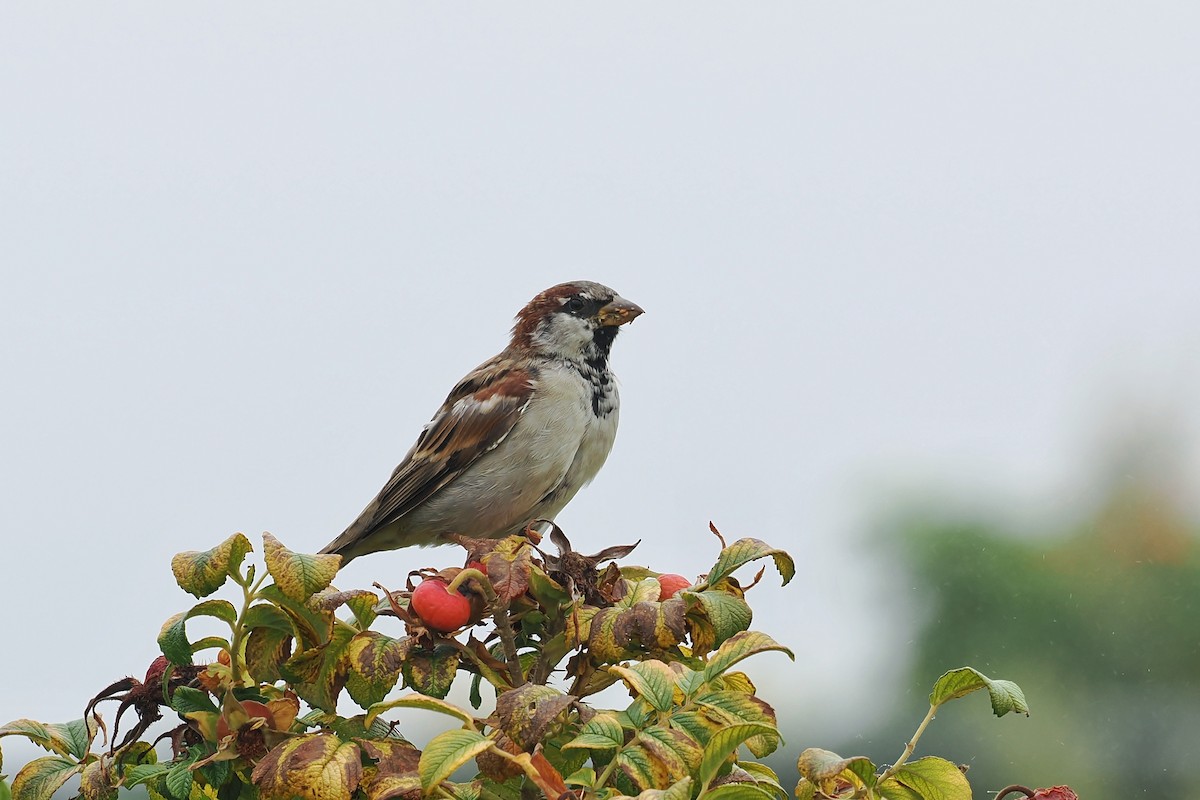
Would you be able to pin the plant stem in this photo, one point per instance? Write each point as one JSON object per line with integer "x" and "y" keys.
{"x": 910, "y": 745}
{"x": 249, "y": 595}
{"x": 508, "y": 638}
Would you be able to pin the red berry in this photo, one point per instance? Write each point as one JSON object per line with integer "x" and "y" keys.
{"x": 439, "y": 608}
{"x": 670, "y": 585}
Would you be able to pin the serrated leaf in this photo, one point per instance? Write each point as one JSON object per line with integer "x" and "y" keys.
{"x": 743, "y": 551}
{"x": 394, "y": 775}
{"x": 201, "y": 573}
{"x": 652, "y": 680}
{"x": 645, "y": 590}
{"x": 891, "y": 789}
{"x": 1006, "y": 696}
{"x": 65, "y": 738}
{"x": 431, "y": 672}
{"x": 525, "y": 714}
{"x": 319, "y": 674}
{"x": 934, "y": 779}
{"x": 298, "y": 575}
{"x": 764, "y": 776}
{"x": 724, "y": 743}
{"x": 187, "y": 699}
{"x": 601, "y": 732}
{"x": 741, "y": 646}
{"x": 680, "y": 790}
{"x": 375, "y": 662}
{"x": 141, "y": 773}
{"x": 316, "y": 766}
{"x": 172, "y": 640}
{"x": 738, "y": 791}
{"x": 722, "y": 615}
{"x": 659, "y": 757}
{"x": 819, "y": 765}
{"x": 266, "y": 615}
{"x": 734, "y": 707}
{"x": 446, "y": 752}
{"x": 421, "y": 701}
{"x": 179, "y": 780}
{"x": 221, "y": 609}
{"x": 42, "y": 777}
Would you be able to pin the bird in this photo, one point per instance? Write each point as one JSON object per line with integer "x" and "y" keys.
{"x": 516, "y": 439}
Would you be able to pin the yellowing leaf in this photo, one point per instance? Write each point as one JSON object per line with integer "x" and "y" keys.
{"x": 298, "y": 575}
{"x": 1005, "y": 695}
{"x": 652, "y": 680}
{"x": 446, "y": 752}
{"x": 738, "y": 647}
{"x": 744, "y": 551}
{"x": 934, "y": 779}
{"x": 201, "y": 573}
{"x": 317, "y": 766}
{"x": 42, "y": 777}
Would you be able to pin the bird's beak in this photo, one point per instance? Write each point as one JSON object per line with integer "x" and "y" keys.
{"x": 618, "y": 312}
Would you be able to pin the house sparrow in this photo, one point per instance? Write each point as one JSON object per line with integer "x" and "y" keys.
{"x": 515, "y": 439}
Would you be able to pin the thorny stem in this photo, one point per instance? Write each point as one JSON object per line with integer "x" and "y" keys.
{"x": 909, "y": 746}
{"x": 499, "y": 610}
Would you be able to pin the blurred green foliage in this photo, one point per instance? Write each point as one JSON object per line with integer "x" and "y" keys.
{"x": 1101, "y": 622}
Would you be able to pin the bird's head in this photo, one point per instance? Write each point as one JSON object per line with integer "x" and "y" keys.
{"x": 576, "y": 321}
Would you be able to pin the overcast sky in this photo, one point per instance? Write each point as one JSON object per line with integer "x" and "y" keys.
{"x": 882, "y": 248}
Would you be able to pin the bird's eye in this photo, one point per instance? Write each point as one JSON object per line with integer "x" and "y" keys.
{"x": 574, "y": 304}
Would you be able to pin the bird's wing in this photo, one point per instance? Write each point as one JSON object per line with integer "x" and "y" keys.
{"x": 476, "y": 417}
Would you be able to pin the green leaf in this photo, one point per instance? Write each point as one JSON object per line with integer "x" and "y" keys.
{"x": 740, "y": 646}
{"x": 221, "y": 609}
{"x": 601, "y": 732}
{"x": 266, "y": 615}
{"x": 547, "y": 591}
{"x": 299, "y": 576}
{"x": 723, "y": 614}
{"x": 1006, "y": 696}
{"x": 724, "y": 743}
{"x": 172, "y": 640}
{"x": 743, "y": 551}
{"x": 375, "y": 662}
{"x": 65, "y": 738}
{"x": 446, "y": 752}
{"x": 202, "y": 573}
{"x": 179, "y": 780}
{"x": 186, "y": 699}
{"x": 316, "y": 766}
{"x": 934, "y": 779}
{"x": 141, "y": 773}
{"x": 42, "y": 777}
{"x": 652, "y": 680}
{"x": 421, "y": 701}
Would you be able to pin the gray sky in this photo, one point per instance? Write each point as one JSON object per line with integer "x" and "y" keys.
{"x": 882, "y": 248}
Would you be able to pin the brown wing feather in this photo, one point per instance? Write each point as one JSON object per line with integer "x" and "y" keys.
{"x": 476, "y": 417}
